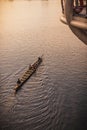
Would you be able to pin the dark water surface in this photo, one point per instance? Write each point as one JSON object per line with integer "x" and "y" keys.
{"x": 55, "y": 97}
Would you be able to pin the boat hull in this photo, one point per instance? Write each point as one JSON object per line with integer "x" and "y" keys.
{"x": 28, "y": 74}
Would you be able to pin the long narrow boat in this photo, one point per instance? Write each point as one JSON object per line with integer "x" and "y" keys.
{"x": 28, "y": 73}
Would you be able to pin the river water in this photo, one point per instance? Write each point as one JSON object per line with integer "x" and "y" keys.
{"x": 55, "y": 97}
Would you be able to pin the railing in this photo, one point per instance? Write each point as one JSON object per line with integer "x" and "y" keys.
{"x": 80, "y": 8}
{"x": 74, "y": 14}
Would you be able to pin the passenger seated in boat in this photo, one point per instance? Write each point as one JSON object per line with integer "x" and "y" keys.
{"x": 18, "y": 82}
{"x": 30, "y": 67}
{"x": 39, "y": 58}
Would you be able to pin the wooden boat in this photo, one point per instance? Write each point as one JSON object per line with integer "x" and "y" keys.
{"x": 28, "y": 74}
